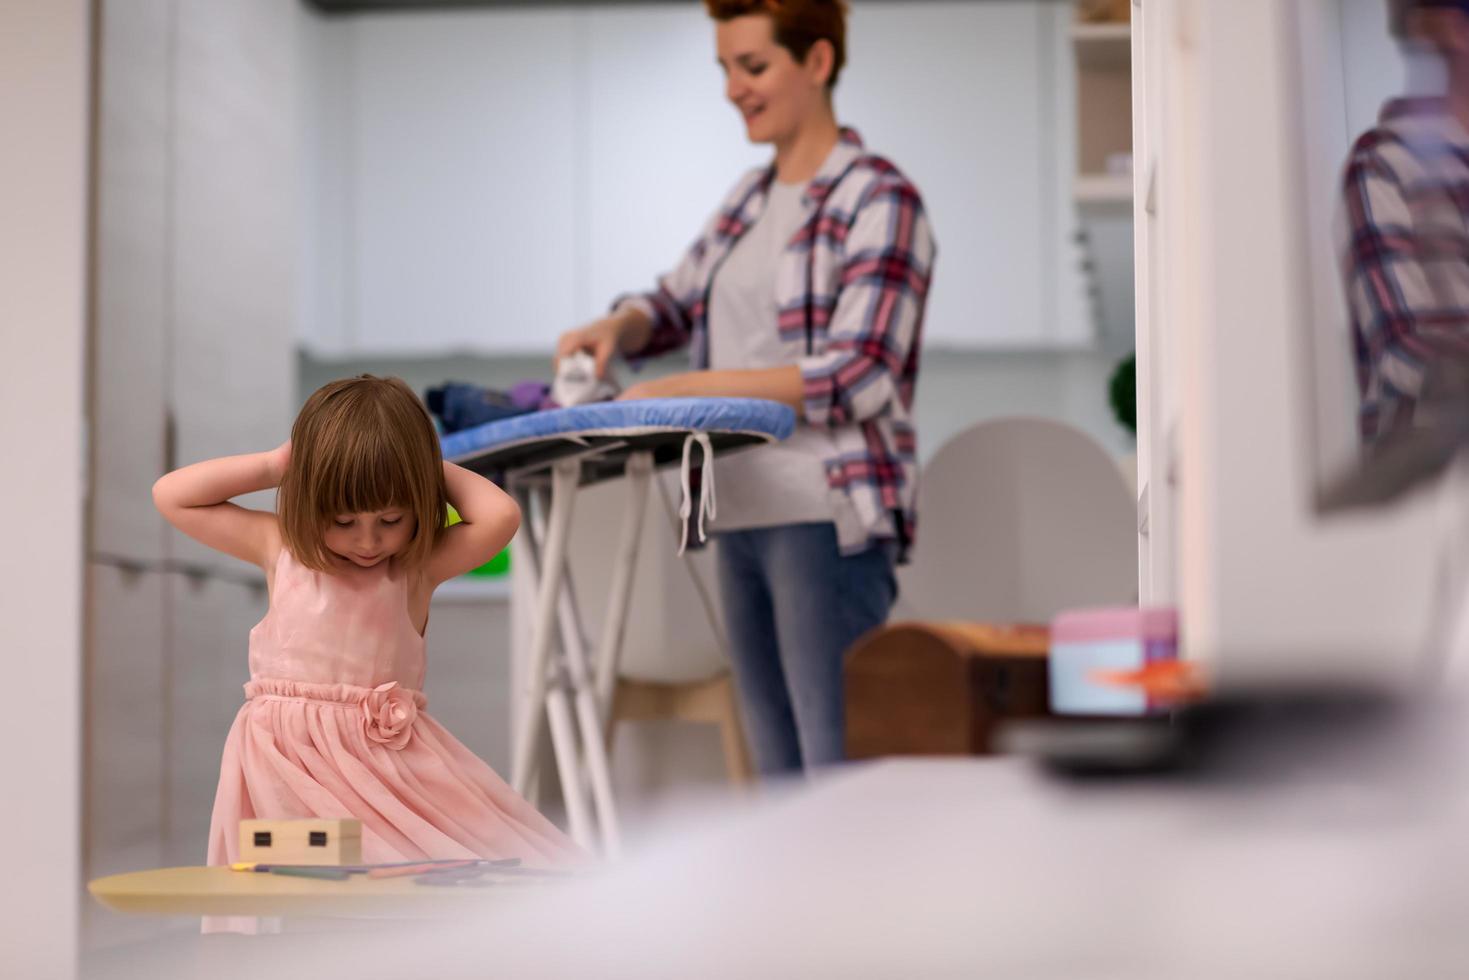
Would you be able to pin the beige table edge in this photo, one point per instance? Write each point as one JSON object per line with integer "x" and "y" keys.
{"x": 221, "y": 891}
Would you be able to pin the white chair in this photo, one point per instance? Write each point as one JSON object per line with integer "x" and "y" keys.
{"x": 1019, "y": 518}
{"x": 674, "y": 665}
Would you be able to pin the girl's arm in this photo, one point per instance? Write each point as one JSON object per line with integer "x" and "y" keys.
{"x": 489, "y": 519}
{"x": 196, "y": 499}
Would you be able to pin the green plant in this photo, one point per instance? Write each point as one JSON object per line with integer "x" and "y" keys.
{"x": 1123, "y": 393}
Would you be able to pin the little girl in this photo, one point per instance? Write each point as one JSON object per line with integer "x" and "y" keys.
{"x": 333, "y": 723}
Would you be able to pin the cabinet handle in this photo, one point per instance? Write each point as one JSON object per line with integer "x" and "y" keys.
{"x": 170, "y": 440}
{"x": 193, "y": 571}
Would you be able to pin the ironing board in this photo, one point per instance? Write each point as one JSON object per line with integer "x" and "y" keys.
{"x": 543, "y": 459}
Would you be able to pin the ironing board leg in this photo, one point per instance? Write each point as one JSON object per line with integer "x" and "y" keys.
{"x": 639, "y": 474}
{"x": 596, "y": 777}
{"x": 577, "y": 682}
{"x": 526, "y": 549}
{"x": 578, "y": 674}
{"x": 592, "y": 691}
{"x": 568, "y": 612}
{"x": 550, "y": 564}
{"x": 563, "y": 740}
{"x": 596, "y": 757}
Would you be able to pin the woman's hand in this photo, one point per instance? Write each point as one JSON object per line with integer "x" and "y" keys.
{"x": 779, "y": 384}
{"x": 625, "y": 330}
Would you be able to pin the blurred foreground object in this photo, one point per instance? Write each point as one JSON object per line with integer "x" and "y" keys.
{"x": 1314, "y": 834}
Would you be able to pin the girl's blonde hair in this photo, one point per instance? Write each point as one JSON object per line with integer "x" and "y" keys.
{"x": 359, "y": 445}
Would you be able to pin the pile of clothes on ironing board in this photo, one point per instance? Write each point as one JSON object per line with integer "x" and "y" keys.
{"x": 459, "y": 406}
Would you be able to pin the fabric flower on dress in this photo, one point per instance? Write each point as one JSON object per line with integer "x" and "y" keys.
{"x": 390, "y": 712}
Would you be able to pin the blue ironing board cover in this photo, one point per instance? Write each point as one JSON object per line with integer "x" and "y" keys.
{"x": 659, "y": 425}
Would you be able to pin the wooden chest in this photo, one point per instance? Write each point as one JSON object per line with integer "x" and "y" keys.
{"x": 942, "y": 688}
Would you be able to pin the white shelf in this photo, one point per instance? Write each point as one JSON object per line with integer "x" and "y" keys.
{"x": 1103, "y": 47}
{"x": 1103, "y": 189}
{"x": 1098, "y": 33}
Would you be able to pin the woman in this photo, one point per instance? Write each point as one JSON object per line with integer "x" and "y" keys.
{"x": 808, "y": 288}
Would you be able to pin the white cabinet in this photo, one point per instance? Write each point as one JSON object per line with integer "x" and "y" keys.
{"x": 132, "y": 295}
{"x": 463, "y": 167}
{"x": 195, "y": 317}
{"x": 960, "y": 97}
{"x": 230, "y": 361}
{"x": 664, "y": 147}
{"x": 123, "y": 820}
{"x": 125, "y": 653}
{"x": 125, "y": 720}
{"x": 126, "y": 757}
{"x": 208, "y": 639}
{"x": 193, "y": 358}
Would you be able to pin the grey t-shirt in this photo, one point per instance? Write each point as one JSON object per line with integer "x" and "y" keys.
{"x": 784, "y": 483}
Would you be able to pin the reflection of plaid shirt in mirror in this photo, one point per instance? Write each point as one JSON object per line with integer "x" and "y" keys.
{"x": 1403, "y": 242}
{"x": 862, "y": 292}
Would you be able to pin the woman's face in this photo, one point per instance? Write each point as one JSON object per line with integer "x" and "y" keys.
{"x": 773, "y": 92}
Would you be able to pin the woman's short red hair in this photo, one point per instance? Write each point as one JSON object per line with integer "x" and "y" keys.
{"x": 799, "y": 24}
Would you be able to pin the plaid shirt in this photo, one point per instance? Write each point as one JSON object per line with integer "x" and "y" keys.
{"x": 1403, "y": 243}
{"x": 850, "y": 294}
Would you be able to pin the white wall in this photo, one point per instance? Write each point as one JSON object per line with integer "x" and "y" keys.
{"x": 45, "y": 70}
{"x": 1372, "y": 62}
{"x": 486, "y": 179}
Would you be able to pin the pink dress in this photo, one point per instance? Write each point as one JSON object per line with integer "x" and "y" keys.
{"x": 334, "y": 726}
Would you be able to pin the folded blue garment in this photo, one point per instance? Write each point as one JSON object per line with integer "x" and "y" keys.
{"x": 464, "y": 406}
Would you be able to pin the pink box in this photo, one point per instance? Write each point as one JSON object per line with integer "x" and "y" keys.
{"x": 1088, "y": 642}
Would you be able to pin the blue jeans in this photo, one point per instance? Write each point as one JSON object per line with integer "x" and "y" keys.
{"x": 793, "y": 606}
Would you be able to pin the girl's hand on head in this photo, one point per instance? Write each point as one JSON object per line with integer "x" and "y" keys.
{"x": 197, "y": 500}
{"x": 489, "y": 518}
{"x": 279, "y": 461}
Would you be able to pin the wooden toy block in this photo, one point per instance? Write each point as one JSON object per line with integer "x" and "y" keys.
{"x": 319, "y": 842}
